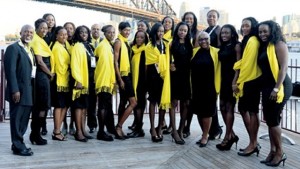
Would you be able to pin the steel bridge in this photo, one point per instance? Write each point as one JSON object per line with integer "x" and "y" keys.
{"x": 150, "y": 10}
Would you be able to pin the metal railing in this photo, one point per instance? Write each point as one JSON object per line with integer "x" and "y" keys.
{"x": 2, "y": 87}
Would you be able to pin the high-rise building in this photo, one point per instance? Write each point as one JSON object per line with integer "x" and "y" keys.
{"x": 203, "y": 16}
{"x": 184, "y": 7}
{"x": 291, "y": 26}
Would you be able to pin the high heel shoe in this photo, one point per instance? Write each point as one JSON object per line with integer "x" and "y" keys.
{"x": 80, "y": 139}
{"x": 37, "y": 139}
{"x": 283, "y": 158}
{"x": 118, "y": 134}
{"x": 268, "y": 159}
{"x": 255, "y": 150}
{"x": 62, "y": 138}
{"x": 155, "y": 138}
{"x": 243, "y": 149}
{"x": 181, "y": 142}
{"x": 168, "y": 130}
{"x": 217, "y": 135}
{"x": 227, "y": 144}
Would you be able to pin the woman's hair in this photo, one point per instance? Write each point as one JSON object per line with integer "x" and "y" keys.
{"x": 275, "y": 31}
{"x": 105, "y": 28}
{"x": 147, "y": 25}
{"x": 173, "y": 23}
{"x": 146, "y": 38}
{"x": 253, "y": 26}
{"x": 194, "y": 26}
{"x": 53, "y": 40}
{"x": 187, "y": 39}
{"x": 38, "y": 22}
{"x": 234, "y": 35}
{"x": 153, "y": 32}
{"x": 213, "y": 10}
{"x": 49, "y": 14}
{"x": 123, "y": 25}
{"x": 71, "y": 23}
{"x": 77, "y": 38}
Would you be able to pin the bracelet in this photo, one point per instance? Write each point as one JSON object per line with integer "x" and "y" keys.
{"x": 276, "y": 90}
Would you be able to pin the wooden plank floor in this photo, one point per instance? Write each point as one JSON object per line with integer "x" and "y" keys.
{"x": 141, "y": 152}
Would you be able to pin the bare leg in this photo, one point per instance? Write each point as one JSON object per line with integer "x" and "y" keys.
{"x": 78, "y": 122}
{"x": 276, "y": 139}
{"x": 205, "y": 126}
{"x": 173, "y": 120}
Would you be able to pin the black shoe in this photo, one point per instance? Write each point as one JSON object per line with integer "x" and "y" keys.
{"x": 243, "y": 149}
{"x": 218, "y": 134}
{"x": 203, "y": 144}
{"x": 226, "y": 144}
{"x": 169, "y": 130}
{"x": 268, "y": 159}
{"x": 24, "y": 152}
{"x": 136, "y": 134}
{"x": 13, "y": 148}
{"x": 283, "y": 158}
{"x": 84, "y": 139}
{"x": 255, "y": 150}
{"x": 186, "y": 132}
{"x": 44, "y": 131}
{"x": 180, "y": 142}
{"x": 88, "y": 136}
{"x": 92, "y": 130}
{"x": 104, "y": 136}
{"x": 37, "y": 139}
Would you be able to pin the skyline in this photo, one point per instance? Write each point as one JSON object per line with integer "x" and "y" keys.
{"x": 235, "y": 9}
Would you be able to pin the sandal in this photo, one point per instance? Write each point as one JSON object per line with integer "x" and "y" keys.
{"x": 54, "y": 136}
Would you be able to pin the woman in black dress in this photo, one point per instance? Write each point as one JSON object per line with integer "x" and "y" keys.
{"x": 276, "y": 85}
{"x": 181, "y": 50}
{"x": 229, "y": 53}
{"x": 205, "y": 78}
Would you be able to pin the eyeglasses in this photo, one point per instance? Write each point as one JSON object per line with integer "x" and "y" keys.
{"x": 203, "y": 39}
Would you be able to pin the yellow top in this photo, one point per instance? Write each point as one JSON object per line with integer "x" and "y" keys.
{"x": 105, "y": 77}
{"x": 168, "y": 36}
{"x": 124, "y": 58}
{"x": 275, "y": 69}
{"x": 217, "y": 65}
{"x": 41, "y": 48}
{"x": 135, "y": 63}
{"x": 61, "y": 59}
{"x": 249, "y": 70}
{"x": 79, "y": 69}
{"x": 153, "y": 56}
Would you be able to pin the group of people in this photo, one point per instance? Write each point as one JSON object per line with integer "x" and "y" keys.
{"x": 72, "y": 67}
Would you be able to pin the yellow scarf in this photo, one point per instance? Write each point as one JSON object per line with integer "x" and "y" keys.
{"x": 135, "y": 63}
{"x": 124, "y": 58}
{"x": 105, "y": 78}
{"x": 41, "y": 48}
{"x": 275, "y": 69}
{"x": 217, "y": 65}
{"x": 61, "y": 59}
{"x": 168, "y": 36}
{"x": 69, "y": 47}
{"x": 79, "y": 68}
{"x": 249, "y": 70}
{"x": 153, "y": 56}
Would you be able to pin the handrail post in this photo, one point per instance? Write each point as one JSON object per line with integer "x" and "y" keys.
{"x": 2, "y": 86}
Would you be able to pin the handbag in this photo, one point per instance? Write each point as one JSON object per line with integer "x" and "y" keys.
{"x": 296, "y": 89}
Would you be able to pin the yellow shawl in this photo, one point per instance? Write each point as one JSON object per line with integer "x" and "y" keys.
{"x": 124, "y": 58}
{"x": 79, "y": 68}
{"x": 168, "y": 36}
{"x": 105, "y": 78}
{"x": 153, "y": 56}
{"x": 61, "y": 59}
{"x": 275, "y": 69}
{"x": 41, "y": 48}
{"x": 217, "y": 65}
{"x": 249, "y": 70}
{"x": 69, "y": 47}
{"x": 135, "y": 63}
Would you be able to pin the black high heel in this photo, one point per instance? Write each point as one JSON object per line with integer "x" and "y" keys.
{"x": 283, "y": 158}
{"x": 243, "y": 149}
{"x": 119, "y": 135}
{"x": 37, "y": 139}
{"x": 80, "y": 139}
{"x": 181, "y": 142}
{"x": 227, "y": 144}
{"x": 218, "y": 135}
{"x": 255, "y": 150}
{"x": 156, "y": 138}
{"x": 268, "y": 159}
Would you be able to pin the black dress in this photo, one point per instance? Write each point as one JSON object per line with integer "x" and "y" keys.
{"x": 227, "y": 57}
{"x": 180, "y": 78}
{"x": 213, "y": 36}
{"x": 141, "y": 87}
{"x": 271, "y": 109}
{"x": 203, "y": 84}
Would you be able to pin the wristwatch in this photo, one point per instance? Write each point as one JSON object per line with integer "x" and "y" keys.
{"x": 276, "y": 90}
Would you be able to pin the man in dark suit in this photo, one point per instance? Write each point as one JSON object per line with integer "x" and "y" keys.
{"x": 19, "y": 68}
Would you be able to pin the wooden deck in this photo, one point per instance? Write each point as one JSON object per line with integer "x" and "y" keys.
{"x": 141, "y": 152}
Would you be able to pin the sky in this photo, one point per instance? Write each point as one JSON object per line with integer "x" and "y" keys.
{"x": 15, "y": 13}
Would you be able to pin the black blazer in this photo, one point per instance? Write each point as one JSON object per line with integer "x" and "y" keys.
{"x": 18, "y": 67}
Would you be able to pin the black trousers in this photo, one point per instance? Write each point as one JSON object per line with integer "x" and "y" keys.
{"x": 91, "y": 111}
{"x": 19, "y": 118}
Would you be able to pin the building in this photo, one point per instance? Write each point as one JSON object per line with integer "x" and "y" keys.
{"x": 291, "y": 26}
{"x": 184, "y": 7}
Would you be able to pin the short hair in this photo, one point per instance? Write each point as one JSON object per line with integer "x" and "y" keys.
{"x": 213, "y": 10}
{"x": 38, "y": 22}
{"x": 123, "y": 25}
{"x": 105, "y": 28}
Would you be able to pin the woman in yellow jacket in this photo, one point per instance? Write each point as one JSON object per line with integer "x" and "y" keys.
{"x": 105, "y": 81}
